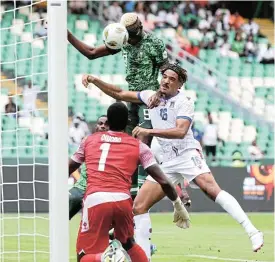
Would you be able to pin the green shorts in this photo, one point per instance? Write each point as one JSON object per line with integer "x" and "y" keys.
{"x": 138, "y": 116}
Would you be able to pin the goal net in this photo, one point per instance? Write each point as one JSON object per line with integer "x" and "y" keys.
{"x": 27, "y": 216}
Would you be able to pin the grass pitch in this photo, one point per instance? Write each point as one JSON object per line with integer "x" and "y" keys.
{"x": 212, "y": 237}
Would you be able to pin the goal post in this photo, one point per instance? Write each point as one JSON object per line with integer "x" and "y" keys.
{"x": 58, "y": 130}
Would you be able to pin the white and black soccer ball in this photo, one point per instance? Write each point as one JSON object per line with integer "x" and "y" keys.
{"x": 115, "y": 36}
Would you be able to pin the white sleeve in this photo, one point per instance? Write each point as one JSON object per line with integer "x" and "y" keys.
{"x": 144, "y": 96}
{"x": 186, "y": 110}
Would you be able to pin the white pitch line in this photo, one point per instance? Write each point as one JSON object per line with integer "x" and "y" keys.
{"x": 225, "y": 259}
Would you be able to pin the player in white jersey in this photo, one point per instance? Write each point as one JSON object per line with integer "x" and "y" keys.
{"x": 181, "y": 153}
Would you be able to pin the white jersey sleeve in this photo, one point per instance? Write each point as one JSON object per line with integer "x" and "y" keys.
{"x": 144, "y": 96}
{"x": 186, "y": 110}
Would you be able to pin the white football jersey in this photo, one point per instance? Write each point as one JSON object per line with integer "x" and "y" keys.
{"x": 165, "y": 116}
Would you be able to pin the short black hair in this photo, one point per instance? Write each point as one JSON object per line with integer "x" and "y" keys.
{"x": 182, "y": 73}
{"x": 100, "y": 117}
{"x": 117, "y": 115}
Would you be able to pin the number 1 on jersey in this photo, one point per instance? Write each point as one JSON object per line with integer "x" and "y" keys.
{"x": 105, "y": 147}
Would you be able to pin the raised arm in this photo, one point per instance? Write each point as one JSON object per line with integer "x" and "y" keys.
{"x": 111, "y": 90}
{"x": 88, "y": 51}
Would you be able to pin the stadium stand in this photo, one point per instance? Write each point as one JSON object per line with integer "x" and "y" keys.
{"x": 244, "y": 77}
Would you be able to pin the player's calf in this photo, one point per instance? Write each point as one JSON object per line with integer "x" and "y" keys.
{"x": 210, "y": 187}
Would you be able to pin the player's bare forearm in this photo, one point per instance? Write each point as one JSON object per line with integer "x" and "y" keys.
{"x": 166, "y": 185}
{"x": 73, "y": 166}
{"x": 88, "y": 51}
{"x": 171, "y": 133}
{"x": 178, "y": 132}
{"x": 114, "y": 91}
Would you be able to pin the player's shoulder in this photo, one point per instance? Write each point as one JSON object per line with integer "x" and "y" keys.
{"x": 152, "y": 39}
{"x": 183, "y": 99}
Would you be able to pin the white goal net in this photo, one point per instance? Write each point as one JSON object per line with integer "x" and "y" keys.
{"x": 25, "y": 181}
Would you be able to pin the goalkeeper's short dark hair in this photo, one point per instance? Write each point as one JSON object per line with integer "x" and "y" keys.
{"x": 181, "y": 72}
{"x": 117, "y": 115}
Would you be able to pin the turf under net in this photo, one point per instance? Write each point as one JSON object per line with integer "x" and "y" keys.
{"x": 24, "y": 204}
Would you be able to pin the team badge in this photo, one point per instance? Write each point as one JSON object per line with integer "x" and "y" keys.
{"x": 172, "y": 104}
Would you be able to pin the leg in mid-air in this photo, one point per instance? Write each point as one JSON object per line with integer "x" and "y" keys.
{"x": 75, "y": 201}
{"x": 209, "y": 186}
{"x": 193, "y": 165}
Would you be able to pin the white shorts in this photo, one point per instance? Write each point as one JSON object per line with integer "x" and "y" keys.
{"x": 187, "y": 166}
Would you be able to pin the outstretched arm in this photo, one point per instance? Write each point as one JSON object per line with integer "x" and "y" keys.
{"x": 88, "y": 51}
{"x": 178, "y": 132}
{"x": 111, "y": 90}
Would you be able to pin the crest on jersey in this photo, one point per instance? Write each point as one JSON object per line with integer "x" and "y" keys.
{"x": 172, "y": 104}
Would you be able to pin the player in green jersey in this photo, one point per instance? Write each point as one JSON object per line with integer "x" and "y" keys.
{"x": 144, "y": 55}
{"x": 77, "y": 192}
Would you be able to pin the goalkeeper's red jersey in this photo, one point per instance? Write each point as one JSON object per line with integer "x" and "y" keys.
{"x": 111, "y": 159}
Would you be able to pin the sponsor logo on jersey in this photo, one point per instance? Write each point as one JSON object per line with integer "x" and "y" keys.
{"x": 107, "y": 138}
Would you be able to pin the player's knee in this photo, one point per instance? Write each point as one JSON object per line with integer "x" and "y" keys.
{"x": 129, "y": 244}
{"x": 139, "y": 208}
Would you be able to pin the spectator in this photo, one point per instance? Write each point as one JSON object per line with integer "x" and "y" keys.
{"x": 129, "y": 6}
{"x": 113, "y": 12}
{"x": 211, "y": 80}
{"x": 193, "y": 50}
{"x": 172, "y": 18}
{"x": 148, "y": 20}
{"x": 11, "y": 108}
{"x": 250, "y": 49}
{"x": 254, "y": 151}
{"x": 225, "y": 49}
{"x": 236, "y": 21}
{"x": 29, "y": 99}
{"x": 76, "y": 133}
{"x": 267, "y": 57}
{"x": 251, "y": 27}
{"x": 238, "y": 45}
{"x": 161, "y": 18}
{"x": 40, "y": 29}
{"x": 83, "y": 124}
{"x": 182, "y": 41}
{"x": 210, "y": 138}
{"x": 198, "y": 135}
{"x": 78, "y": 6}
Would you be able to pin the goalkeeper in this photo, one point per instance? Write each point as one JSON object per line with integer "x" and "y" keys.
{"x": 77, "y": 192}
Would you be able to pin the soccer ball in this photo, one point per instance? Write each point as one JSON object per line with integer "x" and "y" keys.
{"x": 115, "y": 36}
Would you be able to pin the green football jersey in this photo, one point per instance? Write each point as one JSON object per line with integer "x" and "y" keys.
{"x": 143, "y": 62}
{"x": 81, "y": 183}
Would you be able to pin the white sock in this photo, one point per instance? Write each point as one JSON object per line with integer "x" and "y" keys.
{"x": 143, "y": 230}
{"x": 233, "y": 208}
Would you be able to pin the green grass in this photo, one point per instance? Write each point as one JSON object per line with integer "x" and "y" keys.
{"x": 215, "y": 236}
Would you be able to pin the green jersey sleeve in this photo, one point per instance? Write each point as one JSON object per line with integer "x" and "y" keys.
{"x": 158, "y": 52}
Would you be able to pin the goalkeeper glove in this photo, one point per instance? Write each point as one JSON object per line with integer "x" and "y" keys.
{"x": 181, "y": 216}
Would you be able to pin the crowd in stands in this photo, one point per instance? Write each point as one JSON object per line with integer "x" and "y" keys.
{"x": 198, "y": 25}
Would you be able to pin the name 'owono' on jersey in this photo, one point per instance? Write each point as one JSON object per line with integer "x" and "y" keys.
{"x": 111, "y": 159}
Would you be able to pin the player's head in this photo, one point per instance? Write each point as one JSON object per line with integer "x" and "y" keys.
{"x": 133, "y": 26}
{"x": 117, "y": 115}
{"x": 173, "y": 77}
{"x": 102, "y": 124}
